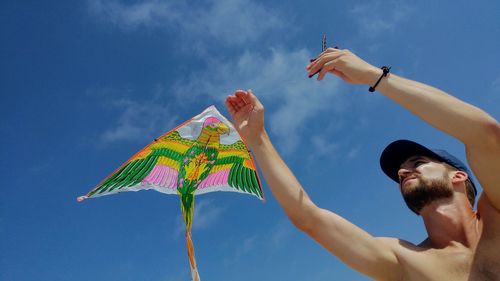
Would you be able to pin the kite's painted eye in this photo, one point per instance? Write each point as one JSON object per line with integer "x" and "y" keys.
{"x": 213, "y": 125}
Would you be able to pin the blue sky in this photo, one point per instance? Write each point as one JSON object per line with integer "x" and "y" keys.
{"x": 85, "y": 84}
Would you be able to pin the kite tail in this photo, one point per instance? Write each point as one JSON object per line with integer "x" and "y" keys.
{"x": 187, "y": 204}
{"x": 192, "y": 260}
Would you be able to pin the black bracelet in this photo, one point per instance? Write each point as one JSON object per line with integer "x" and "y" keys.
{"x": 386, "y": 70}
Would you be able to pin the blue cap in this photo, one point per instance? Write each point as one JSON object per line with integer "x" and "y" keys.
{"x": 399, "y": 151}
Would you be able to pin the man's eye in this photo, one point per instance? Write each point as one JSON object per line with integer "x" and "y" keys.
{"x": 419, "y": 162}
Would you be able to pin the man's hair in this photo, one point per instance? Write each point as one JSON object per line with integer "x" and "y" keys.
{"x": 469, "y": 188}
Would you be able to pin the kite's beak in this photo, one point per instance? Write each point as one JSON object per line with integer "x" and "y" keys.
{"x": 223, "y": 128}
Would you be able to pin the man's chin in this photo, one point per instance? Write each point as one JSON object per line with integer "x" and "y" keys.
{"x": 410, "y": 184}
{"x": 418, "y": 194}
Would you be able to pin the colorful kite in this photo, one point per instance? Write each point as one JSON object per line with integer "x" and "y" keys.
{"x": 202, "y": 155}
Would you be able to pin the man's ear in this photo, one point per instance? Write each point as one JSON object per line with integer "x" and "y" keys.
{"x": 459, "y": 176}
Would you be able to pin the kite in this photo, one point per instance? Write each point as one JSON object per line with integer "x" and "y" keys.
{"x": 202, "y": 155}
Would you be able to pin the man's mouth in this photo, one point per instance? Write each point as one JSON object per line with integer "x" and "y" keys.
{"x": 405, "y": 180}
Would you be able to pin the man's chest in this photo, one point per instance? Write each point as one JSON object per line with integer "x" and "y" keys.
{"x": 486, "y": 262}
{"x": 437, "y": 265}
{"x": 481, "y": 264}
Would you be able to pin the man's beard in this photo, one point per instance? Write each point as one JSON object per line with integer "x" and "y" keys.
{"x": 425, "y": 192}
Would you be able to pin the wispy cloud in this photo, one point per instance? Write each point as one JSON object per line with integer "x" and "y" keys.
{"x": 206, "y": 214}
{"x": 277, "y": 75}
{"x": 280, "y": 234}
{"x": 495, "y": 85}
{"x": 495, "y": 90}
{"x": 129, "y": 16}
{"x": 277, "y": 238}
{"x": 138, "y": 120}
{"x": 242, "y": 249}
{"x": 323, "y": 145}
{"x": 353, "y": 153}
{"x": 377, "y": 17}
{"x": 41, "y": 166}
{"x": 229, "y": 21}
{"x": 247, "y": 245}
{"x": 278, "y": 78}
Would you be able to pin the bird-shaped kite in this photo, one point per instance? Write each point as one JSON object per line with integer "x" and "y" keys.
{"x": 202, "y": 155}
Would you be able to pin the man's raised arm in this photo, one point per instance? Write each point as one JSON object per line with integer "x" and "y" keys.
{"x": 475, "y": 128}
{"x": 371, "y": 256}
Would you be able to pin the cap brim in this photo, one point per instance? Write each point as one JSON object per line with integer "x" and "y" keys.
{"x": 398, "y": 152}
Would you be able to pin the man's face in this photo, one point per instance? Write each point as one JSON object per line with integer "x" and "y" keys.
{"x": 423, "y": 180}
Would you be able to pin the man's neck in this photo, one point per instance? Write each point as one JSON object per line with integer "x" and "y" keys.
{"x": 450, "y": 221}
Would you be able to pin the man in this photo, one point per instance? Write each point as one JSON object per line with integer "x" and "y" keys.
{"x": 462, "y": 244}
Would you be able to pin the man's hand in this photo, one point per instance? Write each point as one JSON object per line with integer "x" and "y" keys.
{"x": 345, "y": 65}
{"x": 248, "y": 115}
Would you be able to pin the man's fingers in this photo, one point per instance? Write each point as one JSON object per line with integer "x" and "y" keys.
{"x": 236, "y": 106}
{"x": 243, "y": 98}
{"x": 254, "y": 100}
{"x": 329, "y": 50}
{"x": 328, "y": 67}
{"x": 230, "y": 107}
{"x": 239, "y": 91}
{"x": 240, "y": 99}
{"x": 321, "y": 61}
{"x": 247, "y": 108}
{"x": 237, "y": 99}
{"x": 232, "y": 101}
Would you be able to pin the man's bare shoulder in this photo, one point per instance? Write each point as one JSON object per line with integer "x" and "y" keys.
{"x": 422, "y": 262}
{"x": 457, "y": 262}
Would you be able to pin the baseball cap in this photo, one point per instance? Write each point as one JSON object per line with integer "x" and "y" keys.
{"x": 398, "y": 151}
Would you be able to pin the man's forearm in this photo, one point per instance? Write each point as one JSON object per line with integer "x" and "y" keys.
{"x": 348, "y": 242}
{"x": 461, "y": 120}
{"x": 282, "y": 182}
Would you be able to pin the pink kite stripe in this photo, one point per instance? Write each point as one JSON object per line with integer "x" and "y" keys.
{"x": 161, "y": 178}
{"x": 159, "y": 175}
{"x": 215, "y": 179}
{"x": 222, "y": 177}
{"x": 170, "y": 176}
{"x": 156, "y": 178}
{"x": 170, "y": 179}
{"x": 153, "y": 175}
{"x": 164, "y": 178}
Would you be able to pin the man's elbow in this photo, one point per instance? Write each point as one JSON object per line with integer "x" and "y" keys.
{"x": 485, "y": 133}
{"x": 489, "y": 136}
{"x": 492, "y": 134}
{"x": 307, "y": 222}
{"x": 302, "y": 223}
{"x": 303, "y": 219}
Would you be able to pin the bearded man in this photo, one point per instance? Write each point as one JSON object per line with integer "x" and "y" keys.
{"x": 462, "y": 243}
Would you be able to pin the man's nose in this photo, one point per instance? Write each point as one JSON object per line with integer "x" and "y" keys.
{"x": 403, "y": 173}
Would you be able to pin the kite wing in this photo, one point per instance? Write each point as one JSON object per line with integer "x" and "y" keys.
{"x": 234, "y": 170}
{"x": 156, "y": 167}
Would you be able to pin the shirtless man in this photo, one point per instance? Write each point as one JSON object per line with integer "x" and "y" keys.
{"x": 462, "y": 244}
